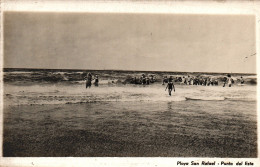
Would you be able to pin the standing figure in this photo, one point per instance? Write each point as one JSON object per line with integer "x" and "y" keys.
{"x": 228, "y": 81}
{"x": 242, "y": 80}
{"x": 189, "y": 79}
{"x": 141, "y": 80}
{"x": 224, "y": 82}
{"x": 147, "y": 81}
{"x": 184, "y": 80}
{"x": 96, "y": 80}
{"x": 152, "y": 79}
{"x": 88, "y": 79}
{"x": 144, "y": 80}
{"x": 170, "y": 86}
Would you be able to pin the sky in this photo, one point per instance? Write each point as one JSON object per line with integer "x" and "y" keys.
{"x": 149, "y": 42}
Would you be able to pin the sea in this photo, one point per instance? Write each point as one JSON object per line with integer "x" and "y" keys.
{"x": 55, "y": 112}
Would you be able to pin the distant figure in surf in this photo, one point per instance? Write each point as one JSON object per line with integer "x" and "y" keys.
{"x": 96, "y": 80}
{"x": 170, "y": 79}
{"x": 189, "y": 79}
{"x": 183, "y": 80}
{"x": 144, "y": 80}
{"x": 141, "y": 80}
{"x": 224, "y": 82}
{"x": 170, "y": 86}
{"x": 165, "y": 80}
{"x": 89, "y": 79}
{"x": 228, "y": 81}
{"x": 152, "y": 79}
{"x": 242, "y": 80}
{"x": 147, "y": 81}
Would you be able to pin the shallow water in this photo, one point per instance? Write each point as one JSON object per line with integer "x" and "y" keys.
{"x": 129, "y": 120}
{"x": 77, "y": 93}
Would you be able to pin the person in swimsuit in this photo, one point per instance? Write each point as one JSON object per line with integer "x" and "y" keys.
{"x": 170, "y": 86}
{"x": 184, "y": 80}
{"x": 224, "y": 82}
{"x": 228, "y": 81}
{"x": 89, "y": 79}
{"x": 147, "y": 80}
{"x": 144, "y": 80}
{"x": 242, "y": 80}
{"x": 96, "y": 80}
{"x": 189, "y": 79}
{"x": 152, "y": 79}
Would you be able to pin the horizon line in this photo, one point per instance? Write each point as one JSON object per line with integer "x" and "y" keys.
{"x": 127, "y": 70}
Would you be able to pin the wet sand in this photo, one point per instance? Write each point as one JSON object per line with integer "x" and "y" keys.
{"x": 180, "y": 129}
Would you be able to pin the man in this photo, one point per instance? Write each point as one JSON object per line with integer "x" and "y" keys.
{"x": 170, "y": 86}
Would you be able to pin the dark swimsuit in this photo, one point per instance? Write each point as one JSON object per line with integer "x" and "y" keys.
{"x": 96, "y": 82}
{"x": 88, "y": 83}
{"x": 170, "y": 85}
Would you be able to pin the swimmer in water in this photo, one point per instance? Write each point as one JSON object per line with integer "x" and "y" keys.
{"x": 184, "y": 80}
{"x": 170, "y": 86}
{"x": 229, "y": 81}
{"x": 242, "y": 80}
{"x": 189, "y": 80}
{"x": 170, "y": 79}
{"x": 89, "y": 79}
{"x": 147, "y": 81}
{"x": 165, "y": 80}
{"x": 96, "y": 80}
{"x": 224, "y": 82}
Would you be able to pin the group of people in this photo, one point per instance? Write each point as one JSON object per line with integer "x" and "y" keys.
{"x": 193, "y": 80}
{"x": 89, "y": 78}
{"x": 144, "y": 80}
{"x": 229, "y": 81}
{"x": 198, "y": 81}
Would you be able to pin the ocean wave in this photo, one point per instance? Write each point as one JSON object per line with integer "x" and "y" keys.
{"x": 109, "y": 77}
{"x": 206, "y": 98}
{"x": 62, "y": 94}
{"x": 241, "y": 98}
{"x": 79, "y": 99}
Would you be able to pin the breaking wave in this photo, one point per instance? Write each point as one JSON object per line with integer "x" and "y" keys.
{"x": 75, "y": 94}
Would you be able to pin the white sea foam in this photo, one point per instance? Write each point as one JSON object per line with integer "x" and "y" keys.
{"x": 62, "y": 94}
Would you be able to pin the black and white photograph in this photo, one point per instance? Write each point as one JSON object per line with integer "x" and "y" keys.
{"x": 97, "y": 84}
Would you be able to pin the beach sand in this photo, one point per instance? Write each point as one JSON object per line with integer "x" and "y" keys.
{"x": 107, "y": 129}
